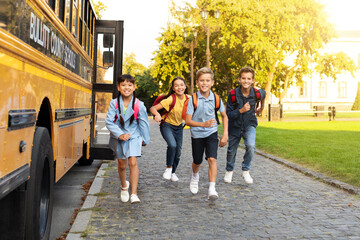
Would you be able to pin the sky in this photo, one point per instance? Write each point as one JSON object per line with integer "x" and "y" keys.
{"x": 144, "y": 20}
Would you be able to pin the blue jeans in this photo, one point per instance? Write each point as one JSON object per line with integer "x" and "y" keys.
{"x": 173, "y": 136}
{"x": 249, "y": 136}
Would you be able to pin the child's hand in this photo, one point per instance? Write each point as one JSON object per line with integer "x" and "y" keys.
{"x": 210, "y": 123}
{"x": 125, "y": 137}
{"x": 223, "y": 140}
{"x": 245, "y": 108}
{"x": 158, "y": 118}
{"x": 259, "y": 111}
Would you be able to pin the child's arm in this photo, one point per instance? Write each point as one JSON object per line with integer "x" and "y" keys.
{"x": 192, "y": 123}
{"x": 154, "y": 111}
{"x": 224, "y": 138}
{"x": 263, "y": 95}
{"x": 261, "y": 108}
{"x": 114, "y": 128}
{"x": 144, "y": 124}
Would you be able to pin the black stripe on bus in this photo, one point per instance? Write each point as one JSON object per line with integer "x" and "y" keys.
{"x": 13, "y": 180}
{"x": 64, "y": 125}
{"x": 21, "y": 119}
{"x": 70, "y": 113}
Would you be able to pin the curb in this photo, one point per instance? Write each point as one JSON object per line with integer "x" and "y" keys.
{"x": 83, "y": 217}
{"x": 333, "y": 182}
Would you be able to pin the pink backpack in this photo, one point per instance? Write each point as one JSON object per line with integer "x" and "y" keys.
{"x": 136, "y": 110}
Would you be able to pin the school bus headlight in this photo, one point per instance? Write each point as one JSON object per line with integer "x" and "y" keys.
{"x": 22, "y": 146}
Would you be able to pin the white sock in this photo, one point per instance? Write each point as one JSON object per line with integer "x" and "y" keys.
{"x": 195, "y": 175}
{"x": 168, "y": 169}
{"x": 211, "y": 185}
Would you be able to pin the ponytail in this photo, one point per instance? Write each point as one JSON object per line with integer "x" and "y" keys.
{"x": 121, "y": 118}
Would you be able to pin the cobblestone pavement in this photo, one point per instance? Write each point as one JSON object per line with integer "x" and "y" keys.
{"x": 281, "y": 204}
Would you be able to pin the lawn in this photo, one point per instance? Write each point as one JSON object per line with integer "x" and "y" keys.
{"x": 332, "y": 148}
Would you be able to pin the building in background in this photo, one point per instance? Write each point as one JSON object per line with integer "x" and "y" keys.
{"x": 317, "y": 91}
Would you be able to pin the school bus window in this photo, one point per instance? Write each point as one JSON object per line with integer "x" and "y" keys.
{"x": 67, "y": 14}
{"x": 80, "y": 22}
{"x": 60, "y": 7}
{"x": 93, "y": 32}
{"x": 74, "y": 18}
{"x": 90, "y": 32}
{"x": 52, "y": 4}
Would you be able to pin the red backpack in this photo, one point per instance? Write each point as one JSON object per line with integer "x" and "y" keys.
{"x": 163, "y": 110}
{"x": 257, "y": 95}
{"x": 194, "y": 97}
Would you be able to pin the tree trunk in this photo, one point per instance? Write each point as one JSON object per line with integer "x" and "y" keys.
{"x": 286, "y": 84}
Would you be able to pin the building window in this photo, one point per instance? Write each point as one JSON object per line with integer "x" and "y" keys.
{"x": 322, "y": 89}
{"x": 342, "y": 89}
{"x": 303, "y": 89}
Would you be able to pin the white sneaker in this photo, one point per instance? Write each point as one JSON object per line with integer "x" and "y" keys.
{"x": 194, "y": 185}
{"x": 246, "y": 176}
{"x": 228, "y": 176}
{"x": 174, "y": 178}
{"x": 124, "y": 193}
{"x": 213, "y": 195}
{"x": 167, "y": 173}
{"x": 134, "y": 198}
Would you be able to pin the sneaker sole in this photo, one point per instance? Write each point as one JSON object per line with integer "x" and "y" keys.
{"x": 213, "y": 197}
{"x": 227, "y": 181}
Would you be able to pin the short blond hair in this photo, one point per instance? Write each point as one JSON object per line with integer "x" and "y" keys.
{"x": 204, "y": 70}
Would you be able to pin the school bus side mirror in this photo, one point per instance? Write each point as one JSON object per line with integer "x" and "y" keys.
{"x": 108, "y": 41}
{"x": 108, "y": 59}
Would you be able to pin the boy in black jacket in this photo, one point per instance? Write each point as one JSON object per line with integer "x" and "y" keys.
{"x": 241, "y": 112}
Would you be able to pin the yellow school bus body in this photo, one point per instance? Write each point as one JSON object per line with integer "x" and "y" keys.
{"x": 27, "y": 78}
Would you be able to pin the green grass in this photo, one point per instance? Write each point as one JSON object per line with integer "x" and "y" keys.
{"x": 332, "y": 148}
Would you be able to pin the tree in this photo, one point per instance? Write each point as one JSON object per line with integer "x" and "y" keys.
{"x": 261, "y": 34}
{"x": 131, "y": 66}
{"x": 146, "y": 88}
{"x": 99, "y": 8}
{"x": 356, "y": 105}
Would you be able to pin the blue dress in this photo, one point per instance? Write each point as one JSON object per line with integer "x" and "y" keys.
{"x": 139, "y": 129}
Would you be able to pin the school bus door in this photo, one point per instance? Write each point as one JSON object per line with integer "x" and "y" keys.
{"x": 108, "y": 53}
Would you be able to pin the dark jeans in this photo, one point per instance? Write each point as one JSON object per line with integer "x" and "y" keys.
{"x": 249, "y": 136}
{"x": 173, "y": 136}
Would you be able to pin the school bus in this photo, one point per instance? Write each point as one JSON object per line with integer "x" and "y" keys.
{"x": 58, "y": 63}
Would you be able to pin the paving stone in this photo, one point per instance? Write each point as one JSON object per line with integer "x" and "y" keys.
{"x": 281, "y": 204}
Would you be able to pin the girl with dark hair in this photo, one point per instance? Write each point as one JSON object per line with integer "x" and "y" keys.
{"x": 128, "y": 124}
{"x": 171, "y": 124}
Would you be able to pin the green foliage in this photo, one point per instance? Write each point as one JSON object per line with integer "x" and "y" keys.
{"x": 131, "y": 66}
{"x": 356, "y": 105}
{"x": 171, "y": 59}
{"x": 259, "y": 34}
{"x": 331, "y": 65}
{"x": 146, "y": 88}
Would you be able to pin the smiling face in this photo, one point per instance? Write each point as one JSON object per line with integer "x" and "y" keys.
{"x": 246, "y": 80}
{"x": 205, "y": 82}
{"x": 179, "y": 87}
{"x": 126, "y": 88}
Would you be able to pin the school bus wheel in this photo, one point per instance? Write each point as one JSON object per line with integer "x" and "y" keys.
{"x": 39, "y": 192}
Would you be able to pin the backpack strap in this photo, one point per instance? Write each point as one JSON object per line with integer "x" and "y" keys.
{"x": 170, "y": 108}
{"x": 136, "y": 109}
{"x": 194, "y": 96}
{"x": 257, "y": 97}
{"x": 217, "y": 107}
{"x": 233, "y": 96}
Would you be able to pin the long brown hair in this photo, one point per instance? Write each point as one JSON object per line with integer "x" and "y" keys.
{"x": 123, "y": 78}
{"x": 171, "y": 91}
